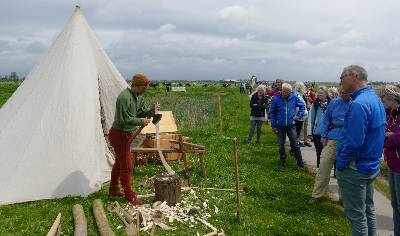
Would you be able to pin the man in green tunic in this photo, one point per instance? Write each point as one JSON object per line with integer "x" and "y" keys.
{"x": 131, "y": 112}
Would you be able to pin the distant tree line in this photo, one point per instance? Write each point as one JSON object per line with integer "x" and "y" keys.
{"x": 13, "y": 76}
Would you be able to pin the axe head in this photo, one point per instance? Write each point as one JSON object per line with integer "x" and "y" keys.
{"x": 156, "y": 118}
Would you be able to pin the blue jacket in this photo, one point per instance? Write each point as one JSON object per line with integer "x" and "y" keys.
{"x": 332, "y": 125}
{"x": 282, "y": 111}
{"x": 363, "y": 133}
{"x": 316, "y": 118}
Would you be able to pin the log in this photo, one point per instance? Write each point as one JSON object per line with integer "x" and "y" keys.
{"x": 101, "y": 219}
{"x": 79, "y": 220}
{"x": 56, "y": 227}
{"x": 167, "y": 188}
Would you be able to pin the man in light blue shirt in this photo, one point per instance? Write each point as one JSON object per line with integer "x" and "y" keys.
{"x": 331, "y": 129}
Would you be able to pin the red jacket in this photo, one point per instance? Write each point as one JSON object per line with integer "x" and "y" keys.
{"x": 273, "y": 93}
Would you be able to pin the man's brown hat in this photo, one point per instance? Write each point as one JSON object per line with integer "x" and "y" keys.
{"x": 140, "y": 80}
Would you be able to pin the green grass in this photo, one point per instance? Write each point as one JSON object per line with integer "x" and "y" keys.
{"x": 274, "y": 201}
{"x": 6, "y": 90}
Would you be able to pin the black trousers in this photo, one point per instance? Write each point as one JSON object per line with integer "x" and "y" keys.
{"x": 318, "y": 147}
{"x": 299, "y": 126}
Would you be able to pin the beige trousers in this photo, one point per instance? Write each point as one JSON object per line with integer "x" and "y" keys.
{"x": 305, "y": 127}
{"x": 328, "y": 157}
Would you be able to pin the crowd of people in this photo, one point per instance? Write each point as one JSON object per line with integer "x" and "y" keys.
{"x": 351, "y": 127}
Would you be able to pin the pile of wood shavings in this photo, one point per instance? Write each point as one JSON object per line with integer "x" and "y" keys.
{"x": 190, "y": 211}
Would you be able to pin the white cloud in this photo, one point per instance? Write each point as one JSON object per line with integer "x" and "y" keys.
{"x": 301, "y": 44}
{"x": 178, "y": 39}
{"x": 233, "y": 13}
{"x": 167, "y": 28}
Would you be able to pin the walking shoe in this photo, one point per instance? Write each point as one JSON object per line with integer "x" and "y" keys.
{"x": 135, "y": 201}
{"x": 301, "y": 144}
{"x": 314, "y": 200}
{"x": 307, "y": 144}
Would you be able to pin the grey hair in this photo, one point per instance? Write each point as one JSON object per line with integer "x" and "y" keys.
{"x": 324, "y": 89}
{"x": 357, "y": 70}
{"x": 287, "y": 86}
{"x": 392, "y": 93}
{"x": 260, "y": 88}
{"x": 300, "y": 88}
{"x": 333, "y": 91}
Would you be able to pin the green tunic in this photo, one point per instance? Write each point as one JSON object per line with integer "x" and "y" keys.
{"x": 130, "y": 111}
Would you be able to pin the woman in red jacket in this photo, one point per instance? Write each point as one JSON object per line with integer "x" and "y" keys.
{"x": 391, "y": 100}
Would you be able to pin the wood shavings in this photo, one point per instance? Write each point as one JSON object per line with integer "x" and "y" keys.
{"x": 191, "y": 211}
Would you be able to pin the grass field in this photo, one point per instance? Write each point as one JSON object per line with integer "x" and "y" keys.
{"x": 274, "y": 201}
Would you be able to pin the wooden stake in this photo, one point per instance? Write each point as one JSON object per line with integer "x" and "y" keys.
{"x": 79, "y": 220}
{"x": 236, "y": 170}
{"x": 220, "y": 109}
{"x": 55, "y": 229}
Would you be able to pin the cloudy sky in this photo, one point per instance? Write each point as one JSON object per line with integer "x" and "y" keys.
{"x": 216, "y": 39}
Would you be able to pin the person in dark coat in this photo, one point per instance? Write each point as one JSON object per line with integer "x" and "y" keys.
{"x": 258, "y": 104}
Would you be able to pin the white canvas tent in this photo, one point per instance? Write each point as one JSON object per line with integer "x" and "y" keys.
{"x": 51, "y": 135}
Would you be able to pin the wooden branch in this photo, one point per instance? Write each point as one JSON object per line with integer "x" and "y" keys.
{"x": 164, "y": 162}
{"x": 207, "y": 224}
{"x": 213, "y": 233}
{"x": 56, "y": 227}
{"x": 101, "y": 219}
{"x": 211, "y": 189}
{"x": 148, "y": 196}
{"x": 79, "y": 220}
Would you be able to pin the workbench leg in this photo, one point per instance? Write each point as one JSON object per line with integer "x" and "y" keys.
{"x": 185, "y": 164}
{"x": 203, "y": 165}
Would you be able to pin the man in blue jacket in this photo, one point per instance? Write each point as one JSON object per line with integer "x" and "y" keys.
{"x": 282, "y": 114}
{"x": 359, "y": 150}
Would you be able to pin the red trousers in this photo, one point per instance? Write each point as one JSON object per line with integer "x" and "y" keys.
{"x": 122, "y": 168}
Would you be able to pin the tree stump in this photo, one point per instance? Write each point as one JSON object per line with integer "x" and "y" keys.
{"x": 167, "y": 188}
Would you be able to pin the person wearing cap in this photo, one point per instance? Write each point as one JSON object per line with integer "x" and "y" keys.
{"x": 258, "y": 104}
{"x": 131, "y": 112}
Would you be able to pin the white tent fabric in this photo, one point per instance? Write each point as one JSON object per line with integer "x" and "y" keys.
{"x": 51, "y": 136}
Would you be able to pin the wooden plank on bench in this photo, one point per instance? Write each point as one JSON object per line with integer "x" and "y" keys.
{"x": 149, "y": 150}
